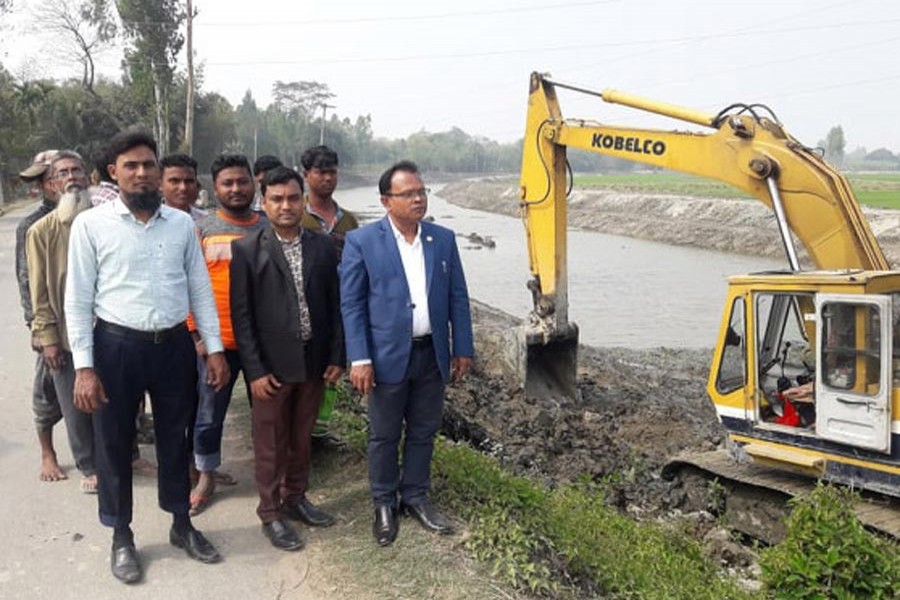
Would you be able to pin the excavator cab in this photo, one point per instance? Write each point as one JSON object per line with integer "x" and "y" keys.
{"x": 804, "y": 372}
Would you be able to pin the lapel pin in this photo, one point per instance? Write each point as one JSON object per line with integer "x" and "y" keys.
{"x": 427, "y": 238}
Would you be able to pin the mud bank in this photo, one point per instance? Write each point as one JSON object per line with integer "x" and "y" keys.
{"x": 637, "y": 408}
{"x": 726, "y": 225}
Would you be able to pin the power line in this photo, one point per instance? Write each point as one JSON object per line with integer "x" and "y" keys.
{"x": 644, "y": 42}
{"x": 398, "y": 18}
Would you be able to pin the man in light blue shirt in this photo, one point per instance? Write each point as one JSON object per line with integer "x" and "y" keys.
{"x": 135, "y": 270}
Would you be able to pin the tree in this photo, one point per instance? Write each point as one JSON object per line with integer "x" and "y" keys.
{"x": 835, "y": 143}
{"x": 84, "y": 28}
{"x": 303, "y": 97}
{"x": 153, "y": 26}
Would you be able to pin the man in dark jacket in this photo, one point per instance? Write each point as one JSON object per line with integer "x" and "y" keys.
{"x": 44, "y": 402}
{"x": 285, "y": 312}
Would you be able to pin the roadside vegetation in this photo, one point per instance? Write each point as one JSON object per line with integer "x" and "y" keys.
{"x": 567, "y": 542}
{"x": 872, "y": 189}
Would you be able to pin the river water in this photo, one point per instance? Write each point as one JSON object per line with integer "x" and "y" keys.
{"x": 622, "y": 291}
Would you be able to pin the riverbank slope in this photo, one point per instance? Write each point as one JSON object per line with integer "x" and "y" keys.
{"x": 726, "y": 225}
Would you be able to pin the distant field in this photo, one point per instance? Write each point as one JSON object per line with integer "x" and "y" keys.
{"x": 871, "y": 189}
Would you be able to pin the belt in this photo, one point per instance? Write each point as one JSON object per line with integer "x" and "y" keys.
{"x": 422, "y": 340}
{"x": 157, "y": 337}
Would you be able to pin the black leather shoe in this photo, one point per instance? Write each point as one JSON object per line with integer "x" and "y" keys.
{"x": 303, "y": 510}
{"x": 196, "y": 546}
{"x": 282, "y": 535}
{"x": 385, "y": 526}
{"x": 429, "y": 518}
{"x": 126, "y": 564}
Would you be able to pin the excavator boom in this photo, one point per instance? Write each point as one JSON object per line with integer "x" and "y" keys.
{"x": 812, "y": 202}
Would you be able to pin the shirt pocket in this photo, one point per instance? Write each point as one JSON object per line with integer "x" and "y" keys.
{"x": 168, "y": 257}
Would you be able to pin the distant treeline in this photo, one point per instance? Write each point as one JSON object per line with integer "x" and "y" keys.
{"x": 41, "y": 114}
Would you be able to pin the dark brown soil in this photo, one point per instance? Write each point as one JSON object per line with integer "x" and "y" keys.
{"x": 635, "y": 410}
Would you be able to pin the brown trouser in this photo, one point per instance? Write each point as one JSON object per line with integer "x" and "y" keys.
{"x": 282, "y": 428}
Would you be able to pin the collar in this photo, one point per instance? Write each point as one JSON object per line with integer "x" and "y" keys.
{"x": 293, "y": 241}
{"x": 400, "y": 237}
{"x": 122, "y": 210}
{"x": 252, "y": 219}
{"x": 338, "y": 212}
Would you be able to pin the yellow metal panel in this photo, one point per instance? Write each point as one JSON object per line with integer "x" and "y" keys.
{"x": 818, "y": 453}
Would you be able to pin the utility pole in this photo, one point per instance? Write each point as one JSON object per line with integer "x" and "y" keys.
{"x": 189, "y": 116}
{"x": 325, "y": 108}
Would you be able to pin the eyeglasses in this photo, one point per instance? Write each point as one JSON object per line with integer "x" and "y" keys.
{"x": 411, "y": 194}
{"x": 73, "y": 172}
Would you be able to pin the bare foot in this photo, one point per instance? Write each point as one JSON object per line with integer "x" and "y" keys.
{"x": 50, "y": 469}
{"x": 89, "y": 484}
{"x": 143, "y": 468}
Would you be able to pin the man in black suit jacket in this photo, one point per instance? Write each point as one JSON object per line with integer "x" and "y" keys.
{"x": 286, "y": 316}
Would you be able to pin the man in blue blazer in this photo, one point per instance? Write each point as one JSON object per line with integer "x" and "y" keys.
{"x": 408, "y": 332}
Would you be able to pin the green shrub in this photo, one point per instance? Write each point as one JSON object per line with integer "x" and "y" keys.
{"x": 828, "y": 554}
{"x": 549, "y": 541}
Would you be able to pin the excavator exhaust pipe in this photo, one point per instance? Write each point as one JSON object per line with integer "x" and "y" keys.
{"x": 551, "y": 365}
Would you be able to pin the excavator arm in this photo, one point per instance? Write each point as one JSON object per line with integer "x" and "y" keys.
{"x": 753, "y": 153}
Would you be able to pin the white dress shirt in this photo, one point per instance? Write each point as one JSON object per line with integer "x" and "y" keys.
{"x": 413, "y": 258}
{"x": 143, "y": 276}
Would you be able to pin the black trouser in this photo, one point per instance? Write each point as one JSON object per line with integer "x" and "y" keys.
{"x": 128, "y": 364}
{"x": 413, "y": 407}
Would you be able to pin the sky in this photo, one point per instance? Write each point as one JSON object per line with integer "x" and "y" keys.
{"x": 434, "y": 65}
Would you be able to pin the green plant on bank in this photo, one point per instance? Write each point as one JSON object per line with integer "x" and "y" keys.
{"x": 347, "y": 420}
{"x": 550, "y": 541}
{"x": 871, "y": 189}
{"x": 828, "y": 554}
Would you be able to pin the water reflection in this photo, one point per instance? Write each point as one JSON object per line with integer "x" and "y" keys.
{"x": 622, "y": 291}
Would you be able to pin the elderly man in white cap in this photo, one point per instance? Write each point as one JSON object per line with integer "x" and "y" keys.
{"x": 44, "y": 401}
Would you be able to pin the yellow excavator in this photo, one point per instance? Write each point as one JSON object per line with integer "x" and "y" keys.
{"x": 805, "y": 376}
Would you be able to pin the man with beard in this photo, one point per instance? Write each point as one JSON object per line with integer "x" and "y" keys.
{"x": 47, "y": 249}
{"x": 44, "y": 403}
{"x": 287, "y": 321}
{"x": 136, "y": 267}
{"x": 234, "y": 219}
{"x": 179, "y": 186}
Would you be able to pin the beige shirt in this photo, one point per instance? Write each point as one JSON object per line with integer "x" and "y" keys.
{"x": 47, "y": 247}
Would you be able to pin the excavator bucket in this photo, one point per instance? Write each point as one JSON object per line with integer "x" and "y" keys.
{"x": 550, "y": 366}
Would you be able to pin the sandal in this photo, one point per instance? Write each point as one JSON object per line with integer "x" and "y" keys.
{"x": 199, "y": 503}
{"x": 88, "y": 485}
{"x": 222, "y": 478}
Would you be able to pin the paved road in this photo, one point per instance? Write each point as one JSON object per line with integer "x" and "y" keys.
{"x": 51, "y": 543}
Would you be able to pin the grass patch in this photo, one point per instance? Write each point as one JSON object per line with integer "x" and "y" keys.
{"x": 567, "y": 541}
{"x": 661, "y": 183}
{"x": 880, "y": 190}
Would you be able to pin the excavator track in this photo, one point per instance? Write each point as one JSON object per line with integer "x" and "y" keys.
{"x": 756, "y": 495}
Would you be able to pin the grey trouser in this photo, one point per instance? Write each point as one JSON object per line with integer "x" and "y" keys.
{"x": 79, "y": 425}
{"x": 43, "y": 397}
